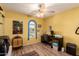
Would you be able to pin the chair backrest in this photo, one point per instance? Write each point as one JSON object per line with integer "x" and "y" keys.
{"x": 17, "y": 41}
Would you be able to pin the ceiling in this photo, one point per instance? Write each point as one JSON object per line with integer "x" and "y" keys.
{"x": 32, "y": 8}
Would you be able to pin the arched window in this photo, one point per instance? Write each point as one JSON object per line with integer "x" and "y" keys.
{"x": 32, "y": 29}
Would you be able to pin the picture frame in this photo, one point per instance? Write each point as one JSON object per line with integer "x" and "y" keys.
{"x": 17, "y": 27}
{"x": 39, "y": 26}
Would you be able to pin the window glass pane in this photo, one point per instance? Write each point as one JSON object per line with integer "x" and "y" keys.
{"x": 32, "y": 29}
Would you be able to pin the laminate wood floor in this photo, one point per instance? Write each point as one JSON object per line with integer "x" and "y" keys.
{"x": 40, "y": 48}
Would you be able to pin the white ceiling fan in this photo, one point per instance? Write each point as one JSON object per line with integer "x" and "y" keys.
{"x": 42, "y": 10}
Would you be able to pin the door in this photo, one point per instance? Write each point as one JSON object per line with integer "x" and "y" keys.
{"x": 32, "y": 31}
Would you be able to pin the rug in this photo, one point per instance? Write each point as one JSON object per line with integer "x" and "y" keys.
{"x": 32, "y": 53}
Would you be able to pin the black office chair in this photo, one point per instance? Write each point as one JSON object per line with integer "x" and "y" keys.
{"x": 4, "y": 45}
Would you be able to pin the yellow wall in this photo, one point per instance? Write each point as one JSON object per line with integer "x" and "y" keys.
{"x": 65, "y": 23}
{"x": 10, "y": 16}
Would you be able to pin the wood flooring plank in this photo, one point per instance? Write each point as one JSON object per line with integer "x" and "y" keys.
{"x": 40, "y": 48}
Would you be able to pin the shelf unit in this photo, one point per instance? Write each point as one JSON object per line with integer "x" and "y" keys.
{"x": 1, "y": 22}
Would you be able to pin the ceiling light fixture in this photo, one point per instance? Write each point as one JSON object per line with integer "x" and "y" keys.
{"x": 42, "y": 10}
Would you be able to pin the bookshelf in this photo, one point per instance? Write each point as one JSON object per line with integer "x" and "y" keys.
{"x": 1, "y": 22}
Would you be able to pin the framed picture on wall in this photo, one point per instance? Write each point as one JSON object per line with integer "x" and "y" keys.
{"x": 39, "y": 26}
{"x": 17, "y": 27}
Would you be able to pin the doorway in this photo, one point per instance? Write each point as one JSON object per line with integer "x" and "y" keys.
{"x": 32, "y": 31}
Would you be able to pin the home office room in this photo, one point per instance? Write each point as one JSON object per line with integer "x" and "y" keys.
{"x": 39, "y": 29}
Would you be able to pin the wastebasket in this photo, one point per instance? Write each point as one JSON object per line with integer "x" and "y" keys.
{"x": 71, "y": 48}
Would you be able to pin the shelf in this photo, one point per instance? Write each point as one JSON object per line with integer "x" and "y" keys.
{"x": 1, "y": 19}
